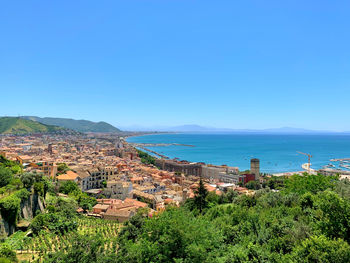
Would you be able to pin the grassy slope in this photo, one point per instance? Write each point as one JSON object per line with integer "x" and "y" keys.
{"x": 77, "y": 125}
{"x": 14, "y": 125}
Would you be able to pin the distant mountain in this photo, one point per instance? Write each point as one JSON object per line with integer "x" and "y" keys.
{"x": 77, "y": 125}
{"x": 16, "y": 125}
{"x": 290, "y": 130}
{"x": 189, "y": 128}
{"x": 202, "y": 129}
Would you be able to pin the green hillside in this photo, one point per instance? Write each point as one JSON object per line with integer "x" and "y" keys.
{"x": 77, "y": 125}
{"x": 14, "y": 125}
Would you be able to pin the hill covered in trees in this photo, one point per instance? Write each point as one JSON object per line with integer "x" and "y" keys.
{"x": 15, "y": 125}
{"x": 77, "y": 125}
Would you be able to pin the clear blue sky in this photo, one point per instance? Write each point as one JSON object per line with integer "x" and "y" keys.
{"x": 234, "y": 64}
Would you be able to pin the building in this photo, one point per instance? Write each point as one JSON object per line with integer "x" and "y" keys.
{"x": 68, "y": 176}
{"x": 183, "y": 167}
{"x": 96, "y": 177}
{"x": 245, "y": 178}
{"x": 118, "y": 189}
{"x": 255, "y": 168}
{"x": 119, "y": 210}
{"x": 217, "y": 172}
{"x": 100, "y": 208}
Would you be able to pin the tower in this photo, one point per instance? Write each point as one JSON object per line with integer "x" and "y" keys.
{"x": 49, "y": 148}
{"x": 255, "y": 168}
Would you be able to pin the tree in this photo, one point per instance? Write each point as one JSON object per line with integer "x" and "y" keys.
{"x": 27, "y": 180}
{"x": 309, "y": 183}
{"x": 84, "y": 201}
{"x": 334, "y": 219}
{"x": 176, "y": 235}
{"x": 62, "y": 168}
{"x": 39, "y": 188}
{"x": 7, "y": 254}
{"x": 68, "y": 187}
{"x": 321, "y": 249}
{"x": 5, "y": 176}
{"x": 253, "y": 185}
{"x": 200, "y": 198}
{"x": 83, "y": 249}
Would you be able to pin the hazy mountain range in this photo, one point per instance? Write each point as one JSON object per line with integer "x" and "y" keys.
{"x": 202, "y": 129}
{"x": 48, "y": 124}
{"x": 76, "y": 125}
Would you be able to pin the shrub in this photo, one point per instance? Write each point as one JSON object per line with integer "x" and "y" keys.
{"x": 6, "y": 176}
{"x": 9, "y": 207}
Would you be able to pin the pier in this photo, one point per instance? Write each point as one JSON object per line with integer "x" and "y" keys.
{"x": 158, "y": 144}
{"x": 155, "y": 153}
{"x": 340, "y": 160}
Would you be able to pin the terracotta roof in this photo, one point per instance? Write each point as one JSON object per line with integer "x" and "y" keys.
{"x": 68, "y": 176}
{"x": 101, "y": 206}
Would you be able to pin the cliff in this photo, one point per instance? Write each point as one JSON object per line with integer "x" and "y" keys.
{"x": 29, "y": 207}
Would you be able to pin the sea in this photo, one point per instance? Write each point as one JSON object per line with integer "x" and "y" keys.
{"x": 277, "y": 153}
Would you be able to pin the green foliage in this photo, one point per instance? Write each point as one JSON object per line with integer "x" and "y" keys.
{"x": 15, "y": 125}
{"x": 228, "y": 197}
{"x": 321, "y": 249}
{"x": 161, "y": 239}
{"x": 304, "y": 222}
{"x": 41, "y": 184}
{"x": 69, "y": 187}
{"x": 62, "y": 168}
{"x": 6, "y": 176}
{"x": 146, "y": 158}
{"x": 333, "y": 215}
{"x": 275, "y": 182}
{"x": 104, "y": 183}
{"x": 28, "y": 180}
{"x": 309, "y": 183}
{"x": 9, "y": 207}
{"x": 39, "y": 188}
{"x": 7, "y": 254}
{"x": 53, "y": 222}
{"x": 84, "y": 201}
{"x": 22, "y": 194}
{"x": 308, "y": 220}
{"x": 253, "y": 185}
{"x": 16, "y": 183}
{"x": 13, "y": 166}
{"x": 200, "y": 195}
{"x": 62, "y": 204}
{"x": 77, "y": 125}
{"x": 342, "y": 188}
{"x": 83, "y": 249}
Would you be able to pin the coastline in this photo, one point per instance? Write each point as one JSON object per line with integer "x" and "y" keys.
{"x": 290, "y": 161}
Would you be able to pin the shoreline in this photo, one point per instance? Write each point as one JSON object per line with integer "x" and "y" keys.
{"x": 158, "y": 155}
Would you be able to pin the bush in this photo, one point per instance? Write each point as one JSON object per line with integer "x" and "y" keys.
{"x": 27, "y": 180}
{"x": 68, "y": 187}
{"x": 6, "y": 176}
{"x": 7, "y": 254}
{"x": 54, "y": 222}
{"x": 22, "y": 194}
{"x": 9, "y": 207}
{"x": 321, "y": 249}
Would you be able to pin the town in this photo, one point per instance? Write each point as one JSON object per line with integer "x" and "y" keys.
{"x": 106, "y": 167}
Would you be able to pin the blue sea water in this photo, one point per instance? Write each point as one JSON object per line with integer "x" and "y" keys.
{"x": 277, "y": 153}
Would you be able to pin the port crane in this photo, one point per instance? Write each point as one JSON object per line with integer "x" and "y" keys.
{"x": 309, "y": 160}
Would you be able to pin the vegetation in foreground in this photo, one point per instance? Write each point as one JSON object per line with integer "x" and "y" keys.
{"x": 298, "y": 219}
